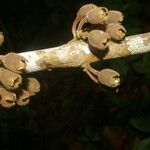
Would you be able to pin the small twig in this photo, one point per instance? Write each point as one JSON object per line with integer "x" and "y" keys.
{"x": 76, "y": 53}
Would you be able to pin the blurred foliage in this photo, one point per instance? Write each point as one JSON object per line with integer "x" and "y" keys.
{"x": 71, "y": 112}
{"x": 141, "y": 123}
{"x": 143, "y": 145}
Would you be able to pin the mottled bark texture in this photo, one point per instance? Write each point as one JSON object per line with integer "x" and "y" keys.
{"x": 77, "y": 53}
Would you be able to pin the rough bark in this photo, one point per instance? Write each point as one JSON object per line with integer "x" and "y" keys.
{"x": 76, "y": 53}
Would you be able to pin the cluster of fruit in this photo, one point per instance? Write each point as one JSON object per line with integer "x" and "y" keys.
{"x": 14, "y": 88}
{"x": 98, "y": 26}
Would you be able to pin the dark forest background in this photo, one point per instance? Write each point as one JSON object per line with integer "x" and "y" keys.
{"x": 72, "y": 112}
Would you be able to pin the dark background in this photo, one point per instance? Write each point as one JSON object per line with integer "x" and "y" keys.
{"x": 72, "y": 112}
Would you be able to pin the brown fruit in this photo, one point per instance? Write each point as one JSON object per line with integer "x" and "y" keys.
{"x": 97, "y": 15}
{"x": 116, "y": 31}
{"x": 81, "y": 14}
{"x": 23, "y": 98}
{"x": 7, "y": 98}
{"x": 109, "y": 78}
{"x": 114, "y": 17}
{"x": 98, "y": 39}
{"x": 84, "y": 9}
{"x": 32, "y": 86}
{"x": 1, "y": 38}
{"x": 10, "y": 80}
{"x": 14, "y": 62}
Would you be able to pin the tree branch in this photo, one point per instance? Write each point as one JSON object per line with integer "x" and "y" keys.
{"x": 77, "y": 53}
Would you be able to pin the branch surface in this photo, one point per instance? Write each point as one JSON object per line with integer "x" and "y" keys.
{"x": 77, "y": 53}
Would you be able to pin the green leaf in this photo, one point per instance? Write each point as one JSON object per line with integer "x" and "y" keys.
{"x": 83, "y": 138}
{"x": 141, "y": 67}
{"x": 142, "y": 123}
{"x": 67, "y": 104}
{"x": 146, "y": 57}
{"x": 142, "y": 145}
{"x": 95, "y": 138}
